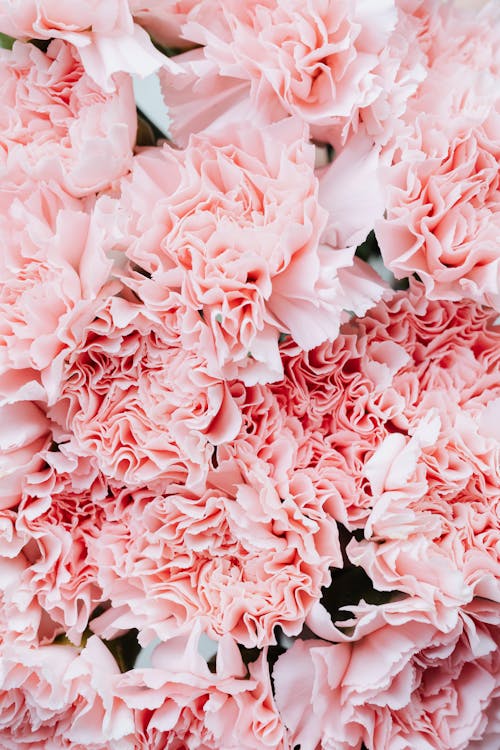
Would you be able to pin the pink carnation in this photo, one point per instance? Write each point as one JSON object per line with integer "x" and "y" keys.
{"x": 61, "y": 510}
{"x": 409, "y": 396}
{"x": 179, "y": 702}
{"x": 104, "y": 33}
{"x": 235, "y": 232}
{"x": 320, "y": 61}
{"x": 51, "y": 19}
{"x": 232, "y": 225}
{"x": 139, "y": 402}
{"x": 240, "y": 562}
{"x": 248, "y": 553}
{"x": 55, "y": 697}
{"x": 57, "y": 124}
{"x": 52, "y": 270}
{"x": 443, "y": 198}
{"x": 49, "y": 585}
{"x": 398, "y": 688}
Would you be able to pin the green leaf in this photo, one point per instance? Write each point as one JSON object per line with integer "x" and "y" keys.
{"x": 6, "y": 42}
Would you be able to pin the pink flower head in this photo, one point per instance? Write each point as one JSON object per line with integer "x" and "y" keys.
{"x": 104, "y": 33}
{"x": 409, "y": 396}
{"x": 52, "y": 270}
{"x": 443, "y": 199}
{"x": 179, "y": 702}
{"x": 239, "y": 563}
{"x": 62, "y": 508}
{"x": 398, "y": 688}
{"x": 248, "y": 553}
{"x": 320, "y": 61}
{"x": 142, "y": 404}
{"x": 52, "y": 20}
{"x": 232, "y": 224}
{"x": 55, "y": 697}
{"x": 57, "y": 124}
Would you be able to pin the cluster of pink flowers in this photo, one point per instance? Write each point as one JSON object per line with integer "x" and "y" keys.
{"x": 250, "y": 395}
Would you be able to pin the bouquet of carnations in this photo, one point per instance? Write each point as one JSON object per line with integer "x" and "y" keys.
{"x": 250, "y": 376}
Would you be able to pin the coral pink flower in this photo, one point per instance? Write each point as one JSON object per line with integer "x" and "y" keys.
{"x": 51, "y": 19}
{"x": 240, "y": 564}
{"x": 57, "y": 124}
{"x": 435, "y": 482}
{"x": 399, "y": 688}
{"x": 232, "y": 225}
{"x": 249, "y": 553}
{"x": 409, "y": 397}
{"x": 62, "y": 507}
{"x": 142, "y": 404}
{"x": 53, "y": 696}
{"x": 235, "y": 230}
{"x": 104, "y": 33}
{"x": 52, "y": 270}
{"x": 319, "y": 61}
{"x": 179, "y": 702}
{"x": 443, "y": 197}
{"x": 332, "y": 65}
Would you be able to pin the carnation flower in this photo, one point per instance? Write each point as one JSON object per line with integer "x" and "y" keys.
{"x": 55, "y": 697}
{"x": 235, "y": 232}
{"x": 240, "y": 564}
{"x": 232, "y": 226}
{"x": 52, "y": 270}
{"x": 400, "y": 687}
{"x": 47, "y": 17}
{"x": 248, "y": 553}
{"x": 49, "y": 585}
{"x": 179, "y": 702}
{"x": 57, "y": 124}
{"x": 319, "y": 61}
{"x": 104, "y": 33}
{"x": 61, "y": 509}
{"x": 443, "y": 200}
{"x": 409, "y": 397}
{"x": 142, "y": 404}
